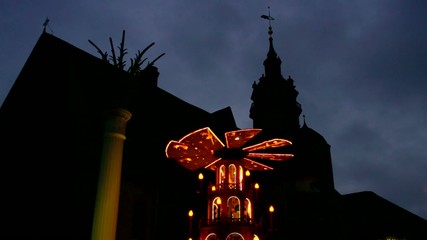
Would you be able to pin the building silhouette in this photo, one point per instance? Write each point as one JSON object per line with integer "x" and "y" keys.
{"x": 54, "y": 123}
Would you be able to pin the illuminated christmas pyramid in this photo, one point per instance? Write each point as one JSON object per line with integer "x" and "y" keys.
{"x": 231, "y": 201}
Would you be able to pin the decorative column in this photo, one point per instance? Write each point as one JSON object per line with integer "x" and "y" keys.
{"x": 107, "y": 198}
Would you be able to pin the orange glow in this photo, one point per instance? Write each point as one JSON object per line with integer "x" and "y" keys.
{"x": 190, "y": 213}
{"x": 218, "y": 201}
{"x": 185, "y": 160}
{"x": 200, "y": 176}
{"x": 247, "y": 173}
{"x": 213, "y": 188}
{"x": 256, "y": 186}
{"x": 256, "y": 237}
{"x": 177, "y": 146}
{"x": 271, "y": 209}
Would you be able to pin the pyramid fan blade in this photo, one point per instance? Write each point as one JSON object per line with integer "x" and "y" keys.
{"x": 254, "y": 165}
{"x": 175, "y": 149}
{"x": 189, "y": 156}
{"x": 193, "y": 164}
{"x": 273, "y": 143}
{"x": 271, "y": 156}
{"x": 203, "y": 138}
{"x": 180, "y": 150}
{"x": 236, "y": 139}
{"x": 195, "y": 149}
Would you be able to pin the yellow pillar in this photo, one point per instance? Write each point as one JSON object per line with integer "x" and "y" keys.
{"x": 107, "y": 198}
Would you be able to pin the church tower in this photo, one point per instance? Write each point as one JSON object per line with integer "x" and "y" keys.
{"x": 276, "y": 111}
{"x": 274, "y": 107}
{"x": 302, "y": 187}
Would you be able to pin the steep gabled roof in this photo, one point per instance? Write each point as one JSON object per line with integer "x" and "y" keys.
{"x": 53, "y": 121}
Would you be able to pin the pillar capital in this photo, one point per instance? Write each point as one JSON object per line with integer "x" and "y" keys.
{"x": 120, "y": 112}
{"x": 116, "y": 120}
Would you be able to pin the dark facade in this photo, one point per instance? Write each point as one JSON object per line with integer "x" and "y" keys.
{"x": 52, "y": 124}
{"x": 53, "y": 120}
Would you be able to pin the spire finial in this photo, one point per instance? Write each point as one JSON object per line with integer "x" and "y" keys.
{"x": 46, "y": 24}
{"x": 269, "y": 18}
{"x": 304, "y": 124}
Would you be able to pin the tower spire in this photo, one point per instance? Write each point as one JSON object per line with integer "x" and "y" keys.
{"x": 272, "y": 63}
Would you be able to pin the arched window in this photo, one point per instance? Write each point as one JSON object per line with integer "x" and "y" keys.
{"x": 240, "y": 178}
{"x": 233, "y": 204}
{"x": 221, "y": 176}
{"x": 216, "y": 209}
{"x": 247, "y": 210}
{"x": 211, "y": 236}
{"x": 234, "y": 236}
{"x": 232, "y": 176}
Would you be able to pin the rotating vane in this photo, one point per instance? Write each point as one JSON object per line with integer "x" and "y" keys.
{"x": 202, "y": 148}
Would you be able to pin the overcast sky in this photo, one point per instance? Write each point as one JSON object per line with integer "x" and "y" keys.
{"x": 360, "y": 68}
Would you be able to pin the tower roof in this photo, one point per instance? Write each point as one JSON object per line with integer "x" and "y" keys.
{"x": 272, "y": 62}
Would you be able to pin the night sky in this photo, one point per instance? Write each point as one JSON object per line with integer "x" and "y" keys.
{"x": 360, "y": 68}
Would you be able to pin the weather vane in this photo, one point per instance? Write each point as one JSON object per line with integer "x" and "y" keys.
{"x": 269, "y": 18}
